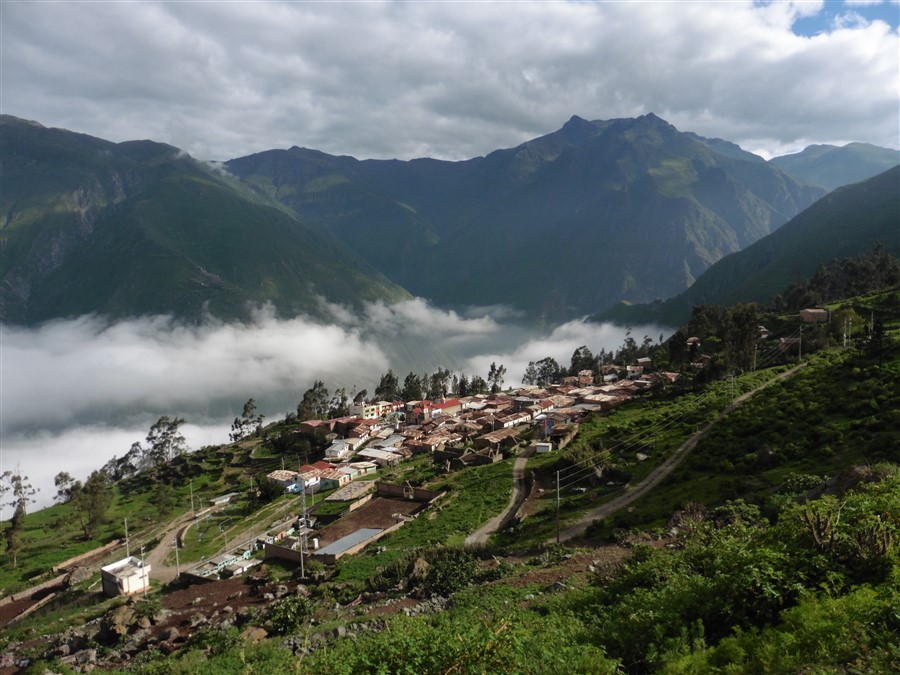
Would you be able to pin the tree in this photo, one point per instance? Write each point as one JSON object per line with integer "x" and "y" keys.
{"x": 16, "y": 487}
{"x": 388, "y": 388}
{"x": 90, "y": 500}
{"x": 548, "y": 371}
{"x": 315, "y": 402}
{"x": 163, "y": 497}
{"x": 478, "y": 385}
{"x": 165, "y": 441}
{"x": 412, "y": 388}
{"x": 463, "y": 388}
{"x": 742, "y": 334}
{"x": 583, "y": 359}
{"x": 248, "y": 423}
{"x": 339, "y": 406}
{"x": 530, "y": 376}
{"x": 495, "y": 377}
{"x": 438, "y": 383}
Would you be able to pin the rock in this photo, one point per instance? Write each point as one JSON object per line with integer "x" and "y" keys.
{"x": 235, "y": 595}
{"x": 169, "y": 634}
{"x": 419, "y": 569}
{"x": 281, "y": 590}
{"x": 86, "y": 656}
{"x": 79, "y": 574}
{"x": 196, "y": 601}
{"x": 121, "y": 616}
{"x": 197, "y": 620}
{"x": 641, "y": 457}
{"x": 144, "y": 622}
{"x": 555, "y": 587}
{"x": 268, "y": 597}
{"x": 254, "y": 634}
{"x": 162, "y": 615}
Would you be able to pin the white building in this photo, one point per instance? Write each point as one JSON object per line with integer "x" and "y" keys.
{"x": 125, "y": 577}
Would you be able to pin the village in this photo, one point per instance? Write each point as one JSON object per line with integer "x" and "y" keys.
{"x": 358, "y": 509}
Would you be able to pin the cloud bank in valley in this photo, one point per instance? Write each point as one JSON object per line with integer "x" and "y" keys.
{"x": 76, "y": 392}
{"x": 450, "y": 80}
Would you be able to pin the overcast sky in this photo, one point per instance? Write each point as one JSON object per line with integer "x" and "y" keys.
{"x": 449, "y": 79}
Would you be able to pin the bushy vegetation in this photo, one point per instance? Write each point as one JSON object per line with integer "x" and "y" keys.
{"x": 859, "y": 275}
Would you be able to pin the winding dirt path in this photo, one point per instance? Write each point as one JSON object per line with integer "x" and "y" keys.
{"x": 663, "y": 470}
{"x": 480, "y": 536}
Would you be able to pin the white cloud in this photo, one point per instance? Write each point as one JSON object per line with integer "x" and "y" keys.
{"x": 450, "y": 80}
{"x": 76, "y": 392}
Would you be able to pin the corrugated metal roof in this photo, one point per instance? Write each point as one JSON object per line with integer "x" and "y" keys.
{"x": 351, "y": 540}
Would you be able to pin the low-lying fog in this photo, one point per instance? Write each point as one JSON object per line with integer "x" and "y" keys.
{"x": 74, "y": 393}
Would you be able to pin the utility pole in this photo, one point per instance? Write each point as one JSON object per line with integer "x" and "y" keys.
{"x": 177, "y": 563}
{"x": 127, "y": 549}
{"x": 303, "y": 546}
{"x": 557, "y": 507}
{"x": 800, "y": 345}
{"x": 143, "y": 572}
{"x": 193, "y": 515}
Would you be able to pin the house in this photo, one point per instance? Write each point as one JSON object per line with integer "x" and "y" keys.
{"x": 542, "y": 448}
{"x": 380, "y": 457}
{"x": 125, "y": 577}
{"x": 333, "y": 478}
{"x": 371, "y": 411}
{"x": 814, "y": 315}
{"x": 224, "y": 499}
{"x": 283, "y": 477}
{"x": 338, "y": 450}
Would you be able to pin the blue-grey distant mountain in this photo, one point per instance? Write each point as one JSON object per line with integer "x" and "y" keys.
{"x": 568, "y": 223}
{"x": 847, "y": 222}
{"x": 124, "y": 229}
{"x": 830, "y": 166}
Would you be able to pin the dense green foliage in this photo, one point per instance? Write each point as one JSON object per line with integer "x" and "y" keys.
{"x": 860, "y": 275}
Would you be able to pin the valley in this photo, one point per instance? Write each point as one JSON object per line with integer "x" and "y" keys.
{"x": 646, "y": 480}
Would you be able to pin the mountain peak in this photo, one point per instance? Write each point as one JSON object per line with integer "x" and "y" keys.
{"x": 578, "y": 128}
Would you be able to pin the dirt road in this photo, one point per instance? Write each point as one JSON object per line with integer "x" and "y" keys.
{"x": 663, "y": 470}
{"x": 480, "y": 536}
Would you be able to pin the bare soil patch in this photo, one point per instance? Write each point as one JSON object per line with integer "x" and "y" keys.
{"x": 378, "y": 513}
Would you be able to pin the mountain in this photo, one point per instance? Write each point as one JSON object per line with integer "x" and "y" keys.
{"x": 831, "y": 166}
{"x": 845, "y": 223}
{"x": 564, "y": 224}
{"x": 140, "y": 227}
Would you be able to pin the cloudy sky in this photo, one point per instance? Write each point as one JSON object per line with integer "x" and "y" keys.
{"x": 450, "y": 79}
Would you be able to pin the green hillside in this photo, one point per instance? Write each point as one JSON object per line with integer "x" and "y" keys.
{"x": 136, "y": 228}
{"x": 773, "y": 547}
{"x": 570, "y": 222}
{"x": 843, "y": 224}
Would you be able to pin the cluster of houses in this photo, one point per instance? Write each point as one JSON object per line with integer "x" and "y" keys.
{"x": 456, "y": 432}
{"x": 462, "y": 431}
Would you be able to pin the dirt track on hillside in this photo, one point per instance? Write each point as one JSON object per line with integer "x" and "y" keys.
{"x": 663, "y": 470}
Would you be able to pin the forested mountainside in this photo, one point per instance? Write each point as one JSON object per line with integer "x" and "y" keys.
{"x": 574, "y": 221}
{"x": 139, "y": 227}
{"x": 846, "y": 223}
{"x": 830, "y": 166}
